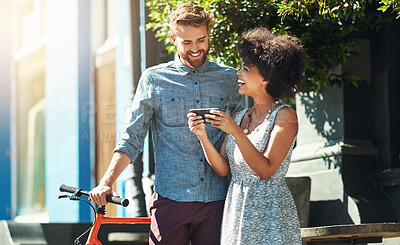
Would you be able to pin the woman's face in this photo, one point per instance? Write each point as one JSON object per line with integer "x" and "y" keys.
{"x": 250, "y": 80}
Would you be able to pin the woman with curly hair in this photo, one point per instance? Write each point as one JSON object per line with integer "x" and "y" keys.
{"x": 259, "y": 208}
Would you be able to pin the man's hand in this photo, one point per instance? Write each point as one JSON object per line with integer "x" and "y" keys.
{"x": 118, "y": 163}
{"x": 99, "y": 193}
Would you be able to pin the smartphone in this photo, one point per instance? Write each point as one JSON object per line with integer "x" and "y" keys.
{"x": 202, "y": 111}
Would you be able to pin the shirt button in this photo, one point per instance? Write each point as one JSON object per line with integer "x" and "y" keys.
{"x": 195, "y": 83}
{"x": 201, "y": 160}
{"x": 197, "y": 101}
{"x": 194, "y": 71}
{"x": 202, "y": 179}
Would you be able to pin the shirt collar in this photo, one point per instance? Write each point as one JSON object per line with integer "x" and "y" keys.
{"x": 184, "y": 70}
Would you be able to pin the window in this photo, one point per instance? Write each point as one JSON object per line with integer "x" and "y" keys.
{"x": 30, "y": 106}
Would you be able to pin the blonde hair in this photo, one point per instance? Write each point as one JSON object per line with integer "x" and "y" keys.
{"x": 190, "y": 14}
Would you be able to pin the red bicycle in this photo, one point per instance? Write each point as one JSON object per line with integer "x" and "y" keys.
{"x": 100, "y": 211}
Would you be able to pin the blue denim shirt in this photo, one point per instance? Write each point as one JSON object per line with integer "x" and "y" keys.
{"x": 164, "y": 96}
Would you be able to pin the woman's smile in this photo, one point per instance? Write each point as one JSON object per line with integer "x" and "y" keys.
{"x": 241, "y": 83}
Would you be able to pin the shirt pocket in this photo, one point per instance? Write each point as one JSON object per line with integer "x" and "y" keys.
{"x": 173, "y": 111}
{"x": 217, "y": 102}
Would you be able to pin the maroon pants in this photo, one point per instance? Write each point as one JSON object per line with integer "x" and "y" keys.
{"x": 178, "y": 223}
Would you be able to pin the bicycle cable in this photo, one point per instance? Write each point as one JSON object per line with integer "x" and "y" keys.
{"x": 76, "y": 241}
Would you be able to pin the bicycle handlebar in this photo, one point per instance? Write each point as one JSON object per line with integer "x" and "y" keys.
{"x": 77, "y": 191}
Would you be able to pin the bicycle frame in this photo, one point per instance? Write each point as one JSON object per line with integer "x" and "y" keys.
{"x": 100, "y": 212}
{"x": 101, "y": 219}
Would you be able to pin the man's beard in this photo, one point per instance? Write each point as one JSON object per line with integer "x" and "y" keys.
{"x": 195, "y": 63}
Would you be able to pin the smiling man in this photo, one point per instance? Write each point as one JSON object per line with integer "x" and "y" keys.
{"x": 189, "y": 196}
{"x": 192, "y": 44}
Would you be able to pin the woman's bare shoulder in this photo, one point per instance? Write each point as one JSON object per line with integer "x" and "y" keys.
{"x": 286, "y": 115}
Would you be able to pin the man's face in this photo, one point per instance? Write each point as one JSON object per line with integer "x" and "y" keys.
{"x": 192, "y": 44}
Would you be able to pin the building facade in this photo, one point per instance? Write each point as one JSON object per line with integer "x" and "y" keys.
{"x": 68, "y": 74}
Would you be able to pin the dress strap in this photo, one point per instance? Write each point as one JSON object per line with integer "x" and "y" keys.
{"x": 273, "y": 114}
{"x": 240, "y": 115}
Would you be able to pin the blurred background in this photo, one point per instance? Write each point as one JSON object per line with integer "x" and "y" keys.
{"x": 68, "y": 71}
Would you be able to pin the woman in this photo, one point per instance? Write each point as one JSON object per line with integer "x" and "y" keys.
{"x": 259, "y": 208}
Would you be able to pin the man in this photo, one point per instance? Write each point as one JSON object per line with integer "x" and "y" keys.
{"x": 189, "y": 196}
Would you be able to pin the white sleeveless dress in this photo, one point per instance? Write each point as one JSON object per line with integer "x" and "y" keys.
{"x": 258, "y": 211}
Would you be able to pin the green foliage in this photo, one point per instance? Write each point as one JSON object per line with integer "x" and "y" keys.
{"x": 344, "y": 9}
{"x": 325, "y": 28}
{"x": 394, "y": 4}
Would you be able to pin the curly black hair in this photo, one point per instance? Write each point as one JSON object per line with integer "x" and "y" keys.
{"x": 279, "y": 58}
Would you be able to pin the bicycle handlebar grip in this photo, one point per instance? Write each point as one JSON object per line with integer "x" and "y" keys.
{"x": 70, "y": 189}
{"x": 65, "y": 188}
{"x": 117, "y": 200}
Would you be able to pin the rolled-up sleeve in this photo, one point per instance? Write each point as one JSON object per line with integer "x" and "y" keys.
{"x": 142, "y": 109}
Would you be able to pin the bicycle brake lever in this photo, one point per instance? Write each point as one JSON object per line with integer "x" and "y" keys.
{"x": 71, "y": 197}
{"x": 74, "y": 198}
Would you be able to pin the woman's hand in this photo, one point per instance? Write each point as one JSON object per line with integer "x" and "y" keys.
{"x": 216, "y": 161}
{"x": 196, "y": 124}
{"x": 222, "y": 121}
